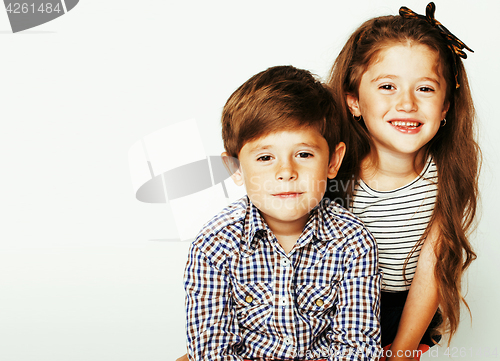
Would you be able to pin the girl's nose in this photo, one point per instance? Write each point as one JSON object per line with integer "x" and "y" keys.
{"x": 406, "y": 102}
{"x": 286, "y": 171}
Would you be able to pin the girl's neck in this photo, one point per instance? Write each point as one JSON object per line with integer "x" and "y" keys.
{"x": 386, "y": 171}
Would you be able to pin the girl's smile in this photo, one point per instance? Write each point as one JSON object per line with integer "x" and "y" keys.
{"x": 408, "y": 126}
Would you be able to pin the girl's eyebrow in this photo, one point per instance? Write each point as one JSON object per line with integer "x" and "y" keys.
{"x": 435, "y": 80}
{"x": 389, "y": 76}
{"x": 384, "y": 76}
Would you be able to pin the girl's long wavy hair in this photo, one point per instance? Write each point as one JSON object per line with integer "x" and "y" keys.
{"x": 453, "y": 148}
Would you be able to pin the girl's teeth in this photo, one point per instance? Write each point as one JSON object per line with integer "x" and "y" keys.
{"x": 405, "y": 124}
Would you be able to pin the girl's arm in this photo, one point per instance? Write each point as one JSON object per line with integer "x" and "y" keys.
{"x": 421, "y": 304}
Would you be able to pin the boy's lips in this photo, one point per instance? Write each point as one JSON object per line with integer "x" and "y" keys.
{"x": 408, "y": 126}
{"x": 287, "y": 194}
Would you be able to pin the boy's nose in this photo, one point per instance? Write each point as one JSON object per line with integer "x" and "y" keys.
{"x": 286, "y": 171}
{"x": 407, "y": 102}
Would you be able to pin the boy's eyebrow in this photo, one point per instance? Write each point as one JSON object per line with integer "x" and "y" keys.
{"x": 310, "y": 145}
{"x": 259, "y": 148}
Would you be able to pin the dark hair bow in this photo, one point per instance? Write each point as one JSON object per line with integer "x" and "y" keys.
{"x": 454, "y": 44}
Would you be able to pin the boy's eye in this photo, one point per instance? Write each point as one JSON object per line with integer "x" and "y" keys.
{"x": 387, "y": 87}
{"x": 264, "y": 158}
{"x": 304, "y": 155}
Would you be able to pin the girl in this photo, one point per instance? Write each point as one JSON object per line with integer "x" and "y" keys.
{"x": 413, "y": 156}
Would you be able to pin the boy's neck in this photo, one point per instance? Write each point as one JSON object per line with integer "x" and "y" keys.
{"x": 388, "y": 171}
{"x": 287, "y": 232}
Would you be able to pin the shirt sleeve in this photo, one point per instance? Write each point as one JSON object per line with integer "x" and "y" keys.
{"x": 212, "y": 327}
{"x": 355, "y": 325}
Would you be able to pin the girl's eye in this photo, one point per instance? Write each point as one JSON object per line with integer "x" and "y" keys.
{"x": 304, "y": 155}
{"x": 425, "y": 89}
{"x": 264, "y": 158}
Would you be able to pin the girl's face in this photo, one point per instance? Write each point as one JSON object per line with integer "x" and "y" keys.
{"x": 402, "y": 99}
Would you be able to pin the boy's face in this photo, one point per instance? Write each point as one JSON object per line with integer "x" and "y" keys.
{"x": 285, "y": 173}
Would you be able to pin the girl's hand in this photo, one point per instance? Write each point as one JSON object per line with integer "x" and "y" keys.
{"x": 183, "y": 358}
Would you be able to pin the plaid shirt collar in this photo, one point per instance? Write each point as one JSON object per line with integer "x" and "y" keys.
{"x": 319, "y": 229}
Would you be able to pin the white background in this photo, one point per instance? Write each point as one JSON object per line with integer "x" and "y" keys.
{"x": 81, "y": 275}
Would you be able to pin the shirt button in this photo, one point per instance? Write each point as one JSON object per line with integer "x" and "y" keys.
{"x": 288, "y": 341}
{"x": 283, "y": 301}
{"x": 319, "y": 302}
{"x": 249, "y": 299}
{"x": 285, "y": 262}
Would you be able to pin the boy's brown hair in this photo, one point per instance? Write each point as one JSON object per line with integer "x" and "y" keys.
{"x": 279, "y": 98}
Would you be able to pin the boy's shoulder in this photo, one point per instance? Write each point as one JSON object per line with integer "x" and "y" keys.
{"x": 223, "y": 235}
{"x": 224, "y": 232}
{"x": 346, "y": 226}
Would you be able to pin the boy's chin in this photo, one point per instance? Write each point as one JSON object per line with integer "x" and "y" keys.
{"x": 285, "y": 215}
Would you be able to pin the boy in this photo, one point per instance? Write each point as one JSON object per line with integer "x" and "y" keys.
{"x": 279, "y": 274}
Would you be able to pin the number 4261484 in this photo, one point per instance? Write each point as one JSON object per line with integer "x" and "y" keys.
{"x": 24, "y": 8}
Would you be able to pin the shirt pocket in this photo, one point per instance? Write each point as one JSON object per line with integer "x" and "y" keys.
{"x": 316, "y": 299}
{"x": 253, "y": 304}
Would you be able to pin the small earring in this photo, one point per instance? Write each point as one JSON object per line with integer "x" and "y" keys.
{"x": 443, "y": 122}
{"x": 357, "y": 118}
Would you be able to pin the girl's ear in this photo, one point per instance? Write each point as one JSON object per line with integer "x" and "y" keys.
{"x": 233, "y": 167}
{"x": 353, "y": 104}
{"x": 446, "y": 107}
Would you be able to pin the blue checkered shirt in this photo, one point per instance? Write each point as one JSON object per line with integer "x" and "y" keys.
{"x": 247, "y": 299}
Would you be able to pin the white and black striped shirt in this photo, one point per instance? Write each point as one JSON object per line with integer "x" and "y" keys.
{"x": 397, "y": 219}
